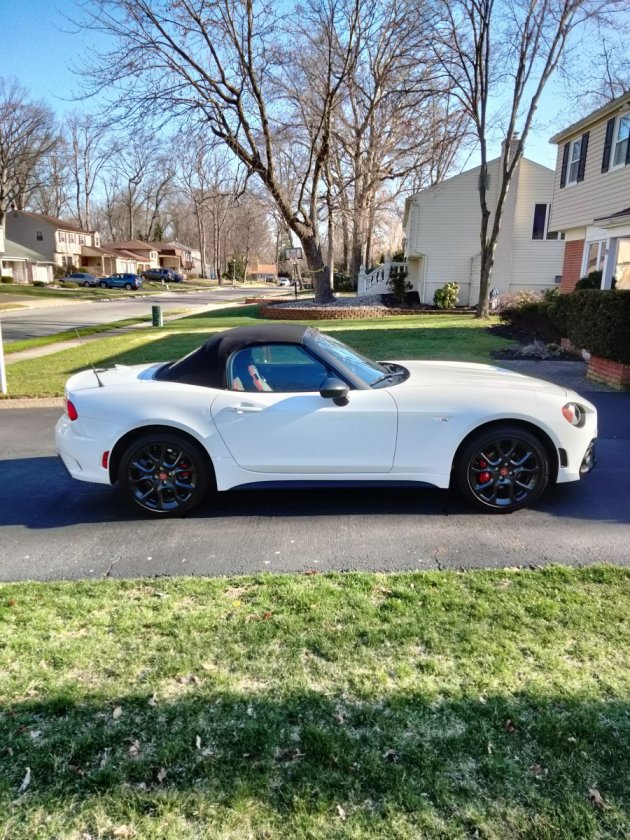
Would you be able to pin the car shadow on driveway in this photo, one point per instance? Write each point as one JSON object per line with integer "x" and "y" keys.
{"x": 43, "y": 496}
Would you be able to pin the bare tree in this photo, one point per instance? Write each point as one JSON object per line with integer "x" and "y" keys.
{"x": 506, "y": 50}
{"x": 92, "y": 146}
{"x": 222, "y": 63}
{"x": 27, "y": 136}
{"x": 51, "y": 193}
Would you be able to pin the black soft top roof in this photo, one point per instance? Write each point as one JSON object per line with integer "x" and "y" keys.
{"x": 205, "y": 366}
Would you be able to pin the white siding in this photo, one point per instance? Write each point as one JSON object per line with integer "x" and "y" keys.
{"x": 535, "y": 262}
{"x": 443, "y": 227}
{"x": 599, "y": 194}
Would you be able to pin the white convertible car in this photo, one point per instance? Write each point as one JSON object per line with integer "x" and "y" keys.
{"x": 287, "y": 404}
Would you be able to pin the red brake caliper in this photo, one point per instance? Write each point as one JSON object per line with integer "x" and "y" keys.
{"x": 484, "y": 476}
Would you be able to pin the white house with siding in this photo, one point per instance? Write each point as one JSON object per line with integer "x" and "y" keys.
{"x": 591, "y": 197}
{"x": 442, "y": 225}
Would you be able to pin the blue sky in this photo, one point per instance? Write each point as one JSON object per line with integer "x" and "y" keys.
{"x": 38, "y": 48}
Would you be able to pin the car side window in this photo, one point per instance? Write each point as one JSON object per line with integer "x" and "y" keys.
{"x": 275, "y": 367}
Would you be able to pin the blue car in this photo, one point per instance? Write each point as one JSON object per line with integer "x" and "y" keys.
{"x": 121, "y": 281}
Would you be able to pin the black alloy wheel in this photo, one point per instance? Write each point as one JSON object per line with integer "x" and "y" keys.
{"x": 503, "y": 469}
{"x": 165, "y": 474}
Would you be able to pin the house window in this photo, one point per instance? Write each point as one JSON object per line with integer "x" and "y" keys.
{"x": 97, "y": 240}
{"x": 539, "y": 229}
{"x": 71, "y": 238}
{"x": 39, "y": 235}
{"x": 574, "y": 161}
{"x": 81, "y": 240}
{"x": 622, "y": 135}
{"x": 61, "y": 236}
{"x": 595, "y": 256}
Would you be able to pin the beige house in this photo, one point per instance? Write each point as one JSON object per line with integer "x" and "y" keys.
{"x": 64, "y": 244}
{"x": 591, "y": 197}
{"x": 172, "y": 255}
{"x": 442, "y": 226}
{"x": 258, "y": 270}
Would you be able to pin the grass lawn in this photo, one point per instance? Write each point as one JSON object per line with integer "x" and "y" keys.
{"x": 456, "y": 337}
{"x": 420, "y": 705}
{"x": 44, "y": 340}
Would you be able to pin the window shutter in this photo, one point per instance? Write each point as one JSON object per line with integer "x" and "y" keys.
{"x": 610, "y": 128}
{"x": 582, "y": 163}
{"x": 565, "y": 163}
{"x": 628, "y": 151}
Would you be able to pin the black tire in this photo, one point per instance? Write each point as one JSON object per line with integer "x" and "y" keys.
{"x": 502, "y": 469}
{"x": 128, "y": 286}
{"x": 103, "y": 285}
{"x": 165, "y": 474}
{"x": 86, "y": 285}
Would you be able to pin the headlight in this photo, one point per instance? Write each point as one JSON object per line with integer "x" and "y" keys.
{"x": 573, "y": 413}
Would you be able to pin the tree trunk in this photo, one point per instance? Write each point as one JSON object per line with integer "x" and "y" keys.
{"x": 319, "y": 270}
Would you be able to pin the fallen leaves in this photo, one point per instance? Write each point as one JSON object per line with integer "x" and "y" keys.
{"x": 595, "y": 798}
{"x": 123, "y": 831}
{"x": 161, "y": 775}
{"x": 25, "y": 781}
{"x": 117, "y": 713}
{"x": 509, "y": 726}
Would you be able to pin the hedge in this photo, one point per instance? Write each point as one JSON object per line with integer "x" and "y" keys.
{"x": 597, "y": 320}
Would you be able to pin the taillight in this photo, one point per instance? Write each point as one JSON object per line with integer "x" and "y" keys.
{"x": 71, "y": 411}
{"x": 105, "y": 460}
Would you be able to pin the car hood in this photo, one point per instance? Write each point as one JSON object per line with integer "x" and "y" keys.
{"x": 462, "y": 376}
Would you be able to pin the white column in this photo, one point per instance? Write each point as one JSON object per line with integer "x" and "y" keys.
{"x": 609, "y": 265}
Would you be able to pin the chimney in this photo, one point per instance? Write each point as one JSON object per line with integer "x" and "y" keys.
{"x": 512, "y": 150}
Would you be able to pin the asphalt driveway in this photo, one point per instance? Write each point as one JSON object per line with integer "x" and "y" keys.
{"x": 52, "y": 527}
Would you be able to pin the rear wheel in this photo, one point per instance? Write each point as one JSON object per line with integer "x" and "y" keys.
{"x": 503, "y": 469}
{"x": 128, "y": 286}
{"x": 103, "y": 285}
{"x": 165, "y": 474}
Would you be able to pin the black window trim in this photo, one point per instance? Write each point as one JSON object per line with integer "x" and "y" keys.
{"x": 332, "y": 370}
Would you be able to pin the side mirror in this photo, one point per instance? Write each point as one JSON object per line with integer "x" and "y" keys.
{"x": 334, "y": 389}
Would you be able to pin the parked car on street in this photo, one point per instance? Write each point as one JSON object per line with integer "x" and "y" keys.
{"x": 165, "y": 274}
{"x": 81, "y": 278}
{"x": 284, "y": 403}
{"x": 121, "y": 281}
{"x": 285, "y": 281}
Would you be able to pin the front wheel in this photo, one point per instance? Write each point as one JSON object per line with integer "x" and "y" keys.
{"x": 165, "y": 474}
{"x": 103, "y": 285}
{"x": 502, "y": 469}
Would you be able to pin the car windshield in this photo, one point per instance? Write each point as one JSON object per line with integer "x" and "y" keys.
{"x": 370, "y": 372}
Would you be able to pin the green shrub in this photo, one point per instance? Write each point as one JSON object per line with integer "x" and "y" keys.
{"x": 597, "y": 320}
{"x": 447, "y": 297}
{"x": 533, "y": 314}
{"x": 397, "y": 282}
{"x": 39, "y": 284}
{"x": 593, "y": 280}
{"x": 6, "y": 279}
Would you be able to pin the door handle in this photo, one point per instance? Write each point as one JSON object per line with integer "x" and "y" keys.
{"x": 246, "y": 408}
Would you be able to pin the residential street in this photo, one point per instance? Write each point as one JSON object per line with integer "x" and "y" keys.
{"x": 41, "y": 319}
{"x": 52, "y": 527}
